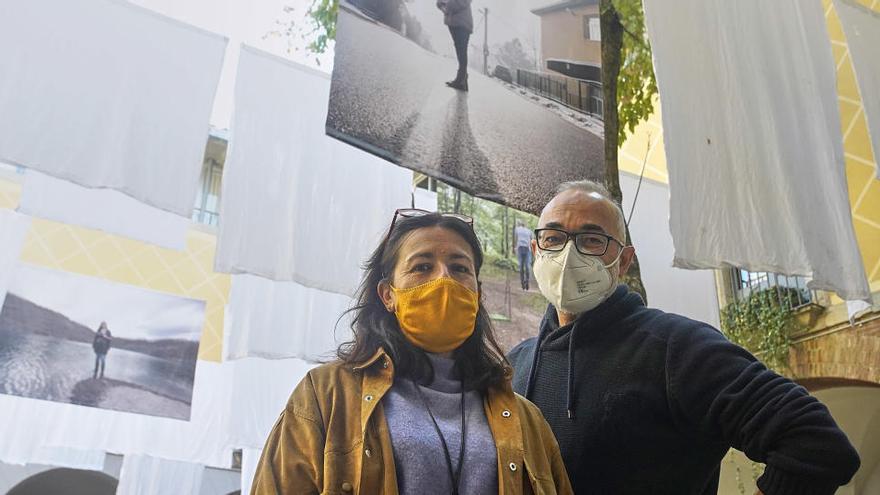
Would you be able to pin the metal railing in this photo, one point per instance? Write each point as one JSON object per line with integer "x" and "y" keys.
{"x": 587, "y": 98}
{"x": 791, "y": 291}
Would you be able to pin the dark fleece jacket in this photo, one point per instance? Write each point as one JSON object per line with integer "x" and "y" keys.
{"x": 647, "y": 402}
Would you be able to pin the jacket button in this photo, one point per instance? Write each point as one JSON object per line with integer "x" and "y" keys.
{"x": 368, "y": 453}
{"x": 346, "y": 487}
{"x": 368, "y": 398}
{"x": 506, "y": 413}
{"x": 512, "y": 466}
{"x": 384, "y": 364}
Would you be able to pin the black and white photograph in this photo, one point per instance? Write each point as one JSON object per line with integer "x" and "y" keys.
{"x": 499, "y": 98}
{"x": 87, "y": 341}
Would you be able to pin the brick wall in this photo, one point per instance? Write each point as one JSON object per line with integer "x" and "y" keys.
{"x": 849, "y": 354}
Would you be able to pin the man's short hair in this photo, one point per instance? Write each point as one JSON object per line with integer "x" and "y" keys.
{"x": 590, "y": 187}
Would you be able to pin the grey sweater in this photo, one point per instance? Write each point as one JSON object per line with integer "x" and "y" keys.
{"x": 418, "y": 452}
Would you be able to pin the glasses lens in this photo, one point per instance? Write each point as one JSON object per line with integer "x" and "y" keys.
{"x": 592, "y": 244}
{"x": 552, "y": 240}
{"x": 412, "y": 212}
{"x": 464, "y": 218}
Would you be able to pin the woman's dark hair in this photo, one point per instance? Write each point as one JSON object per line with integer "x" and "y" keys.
{"x": 479, "y": 360}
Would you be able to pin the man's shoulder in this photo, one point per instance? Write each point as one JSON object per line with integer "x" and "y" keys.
{"x": 664, "y": 326}
{"x": 524, "y": 347}
{"x": 520, "y": 357}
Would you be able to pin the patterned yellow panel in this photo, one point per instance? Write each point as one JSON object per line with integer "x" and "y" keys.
{"x": 864, "y": 188}
{"x": 94, "y": 253}
{"x": 9, "y": 193}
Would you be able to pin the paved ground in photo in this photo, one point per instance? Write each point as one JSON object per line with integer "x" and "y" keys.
{"x": 389, "y": 93}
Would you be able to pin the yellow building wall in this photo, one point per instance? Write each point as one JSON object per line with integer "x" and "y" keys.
{"x": 864, "y": 188}
{"x": 562, "y": 36}
{"x": 187, "y": 273}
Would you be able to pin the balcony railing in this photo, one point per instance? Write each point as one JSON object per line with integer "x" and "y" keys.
{"x": 792, "y": 291}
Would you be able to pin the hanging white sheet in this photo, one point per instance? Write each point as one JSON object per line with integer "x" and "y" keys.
{"x": 278, "y": 320}
{"x": 249, "y": 460}
{"x": 63, "y": 201}
{"x": 145, "y": 475}
{"x": 260, "y": 390}
{"x": 425, "y": 199}
{"x": 92, "y": 460}
{"x": 690, "y": 293}
{"x": 13, "y": 230}
{"x": 862, "y": 28}
{"x": 753, "y": 142}
{"x": 107, "y": 94}
{"x": 297, "y": 205}
{"x": 26, "y": 425}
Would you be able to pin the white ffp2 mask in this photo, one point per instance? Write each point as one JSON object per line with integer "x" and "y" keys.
{"x": 573, "y": 282}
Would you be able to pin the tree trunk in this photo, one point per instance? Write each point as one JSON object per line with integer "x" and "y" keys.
{"x": 612, "y": 44}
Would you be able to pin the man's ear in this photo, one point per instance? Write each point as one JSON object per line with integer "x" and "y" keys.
{"x": 626, "y": 259}
{"x": 386, "y": 295}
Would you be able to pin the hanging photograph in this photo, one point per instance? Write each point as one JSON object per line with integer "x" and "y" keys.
{"x": 499, "y": 98}
{"x": 86, "y": 341}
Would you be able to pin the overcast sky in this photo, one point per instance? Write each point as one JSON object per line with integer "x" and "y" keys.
{"x": 130, "y": 312}
{"x": 508, "y": 19}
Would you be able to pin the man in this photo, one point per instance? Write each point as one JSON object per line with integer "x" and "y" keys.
{"x": 458, "y": 17}
{"x": 646, "y": 402}
{"x": 522, "y": 245}
{"x": 101, "y": 345}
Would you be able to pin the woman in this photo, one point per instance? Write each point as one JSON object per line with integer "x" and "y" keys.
{"x": 422, "y": 377}
{"x": 101, "y": 346}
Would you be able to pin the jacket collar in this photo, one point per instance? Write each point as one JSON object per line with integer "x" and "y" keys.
{"x": 379, "y": 354}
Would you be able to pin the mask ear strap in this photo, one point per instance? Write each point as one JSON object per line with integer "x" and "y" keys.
{"x": 616, "y": 259}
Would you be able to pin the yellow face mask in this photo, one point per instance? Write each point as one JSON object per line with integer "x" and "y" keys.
{"x": 437, "y": 316}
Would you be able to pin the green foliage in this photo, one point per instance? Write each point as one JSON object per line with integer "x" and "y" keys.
{"x": 763, "y": 323}
{"x": 636, "y": 84}
{"x": 493, "y": 222}
{"x": 323, "y": 15}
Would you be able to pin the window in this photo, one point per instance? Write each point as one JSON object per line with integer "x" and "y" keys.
{"x": 592, "y": 30}
{"x": 207, "y": 205}
{"x": 791, "y": 291}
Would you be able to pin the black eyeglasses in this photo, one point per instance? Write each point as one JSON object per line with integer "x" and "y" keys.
{"x": 588, "y": 243}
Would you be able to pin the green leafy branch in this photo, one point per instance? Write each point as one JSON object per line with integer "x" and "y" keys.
{"x": 763, "y": 323}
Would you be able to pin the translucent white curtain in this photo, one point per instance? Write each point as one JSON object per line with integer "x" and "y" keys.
{"x": 297, "y": 205}
{"x": 277, "y": 320}
{"x": 111, "y": 211}
{"x": 26, "y": 425}
{"x": 107, "y": 94}
{"x": 145, "y": 475}
{"x": 752, "y": 134}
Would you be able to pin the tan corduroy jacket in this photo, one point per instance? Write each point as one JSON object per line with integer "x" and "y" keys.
{"x": 332, "y": 438}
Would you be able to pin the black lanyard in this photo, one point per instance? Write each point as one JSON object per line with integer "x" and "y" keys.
{"x": 454, "y": 477}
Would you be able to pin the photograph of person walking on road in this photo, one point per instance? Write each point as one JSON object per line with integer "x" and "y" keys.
{"x": 522, "y": 114}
